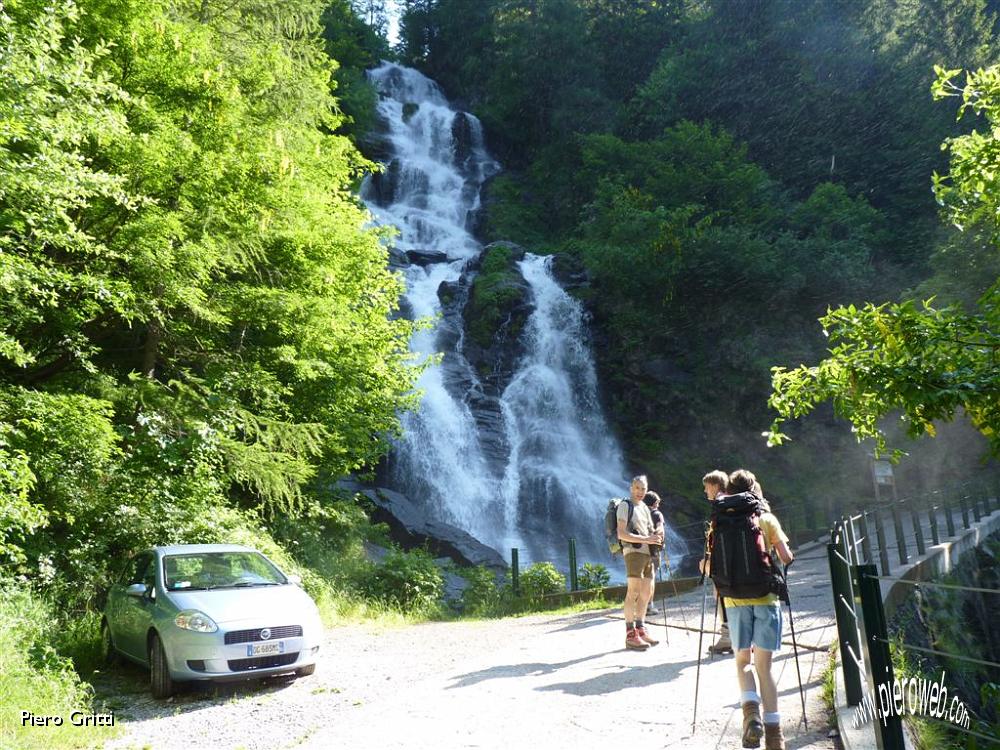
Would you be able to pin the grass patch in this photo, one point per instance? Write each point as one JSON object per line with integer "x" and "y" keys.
{"x": 829, "y": 684}
{"x": 35, "y": 677}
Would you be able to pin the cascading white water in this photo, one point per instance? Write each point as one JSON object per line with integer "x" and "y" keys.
{"x": 562, "y": 464}
{"x": 439, "y": 461}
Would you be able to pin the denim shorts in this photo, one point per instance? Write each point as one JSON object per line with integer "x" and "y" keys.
{"x": 758, "y": 624}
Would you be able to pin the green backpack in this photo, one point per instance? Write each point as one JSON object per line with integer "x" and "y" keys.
{"x": 611, "y": 523}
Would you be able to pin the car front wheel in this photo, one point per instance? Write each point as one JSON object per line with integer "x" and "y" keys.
{"x": 160, "y": 683}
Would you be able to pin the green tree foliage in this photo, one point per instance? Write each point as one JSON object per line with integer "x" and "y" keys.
{"x": 537, "y": 71}
{"x": 687, "y": 242}
{"x": 355, "y": 46}
{"x": 542, "y": 52}
{"x": 193, "y": 316}
{"x": 809, "y": 85}
{"x": 925, "y": 361}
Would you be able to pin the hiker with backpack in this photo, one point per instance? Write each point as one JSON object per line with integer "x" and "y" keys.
{"x": 636, "y": 533}
{"x": 742, "y": 538}
{"x": 716, "y": 483}
{"x": 652, "y": 501}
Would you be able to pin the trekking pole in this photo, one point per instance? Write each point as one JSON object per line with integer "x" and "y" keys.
{"x": 701, "y": 633}
{"x": 715, "y": 625}
{"x": 670, "y": 573}
{"x": 663, "y": 607}
{"x": 795, "y": 648}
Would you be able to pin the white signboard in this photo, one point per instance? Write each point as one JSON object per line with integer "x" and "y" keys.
{"x": 883, "y": 472}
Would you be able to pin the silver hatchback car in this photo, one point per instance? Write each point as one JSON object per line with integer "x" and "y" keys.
{"x": 215, "y": 612}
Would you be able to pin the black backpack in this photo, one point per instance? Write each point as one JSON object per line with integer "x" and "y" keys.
{"x": 740, "y": 566}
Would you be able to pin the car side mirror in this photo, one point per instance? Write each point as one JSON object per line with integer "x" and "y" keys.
{"x": 294, "y": 579}
{"x": 137, "y": 590}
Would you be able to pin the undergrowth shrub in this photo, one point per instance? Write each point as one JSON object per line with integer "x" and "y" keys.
{"x": 35, "y": 677}
{"x": 485, "y": 596}
{"x": 541, "y": 579}
{"x": 407, "y": 579}
{"x": 593, "y": 576}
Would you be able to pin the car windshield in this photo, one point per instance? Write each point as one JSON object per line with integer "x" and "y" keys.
{"x": 219, "y": 570}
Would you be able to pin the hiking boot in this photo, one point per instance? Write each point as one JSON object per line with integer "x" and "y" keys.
{"x": 633, "y": 641}
{"x": 646, "y": 637}
{"x": 773, "y": 738}
{"x": 724, "y": 645}
{"x": 753, "y": 728}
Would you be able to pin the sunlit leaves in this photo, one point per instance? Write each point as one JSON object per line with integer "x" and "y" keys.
{"x": 927, "y": 362}
{"x": 193, "y": 314}
{"x": 924, "y": 362}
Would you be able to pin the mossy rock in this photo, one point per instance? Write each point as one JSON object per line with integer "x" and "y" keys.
{"x": 493, "y": 299}
{"x": 498, "y": 293}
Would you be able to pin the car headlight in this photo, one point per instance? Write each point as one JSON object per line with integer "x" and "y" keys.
{"x": 192, "y": 619}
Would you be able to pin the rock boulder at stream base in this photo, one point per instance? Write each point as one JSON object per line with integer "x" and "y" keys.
{"x": 411, "y": 528}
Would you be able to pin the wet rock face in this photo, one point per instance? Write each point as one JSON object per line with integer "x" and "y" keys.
{"x": 411, "y": 529}
{"x": 494, "y": 316}
{"x": 569, "y": 271}
{"x": 385, "y": 183}
{"x": 462, "y": 137}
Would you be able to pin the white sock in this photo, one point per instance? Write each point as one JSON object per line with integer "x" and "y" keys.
{"x": 750, "y": 696}
{"x": 772, "y": 718}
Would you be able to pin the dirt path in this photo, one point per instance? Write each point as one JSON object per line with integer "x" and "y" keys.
{"x": 556, "y": 681}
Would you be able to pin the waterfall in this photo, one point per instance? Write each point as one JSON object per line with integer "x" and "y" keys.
{"x": 430, "y": 192}
{"x": 564, "y": 464}
{"x": 548, "y": 469}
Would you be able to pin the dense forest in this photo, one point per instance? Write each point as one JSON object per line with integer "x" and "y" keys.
{"x": 199, "y": 330}
{"x": 196, "y": 325}
{"x": 725, "y": 173}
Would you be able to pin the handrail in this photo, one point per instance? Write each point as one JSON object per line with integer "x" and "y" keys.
{"x": 857, "y": 590}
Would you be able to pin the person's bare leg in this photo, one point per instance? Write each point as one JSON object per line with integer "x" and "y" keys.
{"x": 633, "y": 600}
{"x": 744, "y": 671}
{"x": 632, "y": 597}
{"x": 774, "y": 738}
{"x": 768, "y": 687}
{"x": 648, "y": 587}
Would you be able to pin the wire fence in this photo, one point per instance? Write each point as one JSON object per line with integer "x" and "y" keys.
{"x": 918, "y": 521}
{"x": 866, "y": 645}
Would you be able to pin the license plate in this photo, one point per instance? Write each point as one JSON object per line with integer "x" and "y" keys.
{"x": 265, "y": 649}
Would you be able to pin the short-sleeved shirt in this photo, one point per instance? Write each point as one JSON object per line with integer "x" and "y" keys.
{"x": 642, "y": 525}
{"x": 770, "y": 527}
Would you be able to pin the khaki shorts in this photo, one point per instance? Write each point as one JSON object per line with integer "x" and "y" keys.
{"x": 638, "y": 565}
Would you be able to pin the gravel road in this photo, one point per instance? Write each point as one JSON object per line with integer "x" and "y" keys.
{"x": 555, "y": 681}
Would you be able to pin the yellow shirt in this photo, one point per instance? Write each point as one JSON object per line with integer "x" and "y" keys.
{"x": 773, "y": 533}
